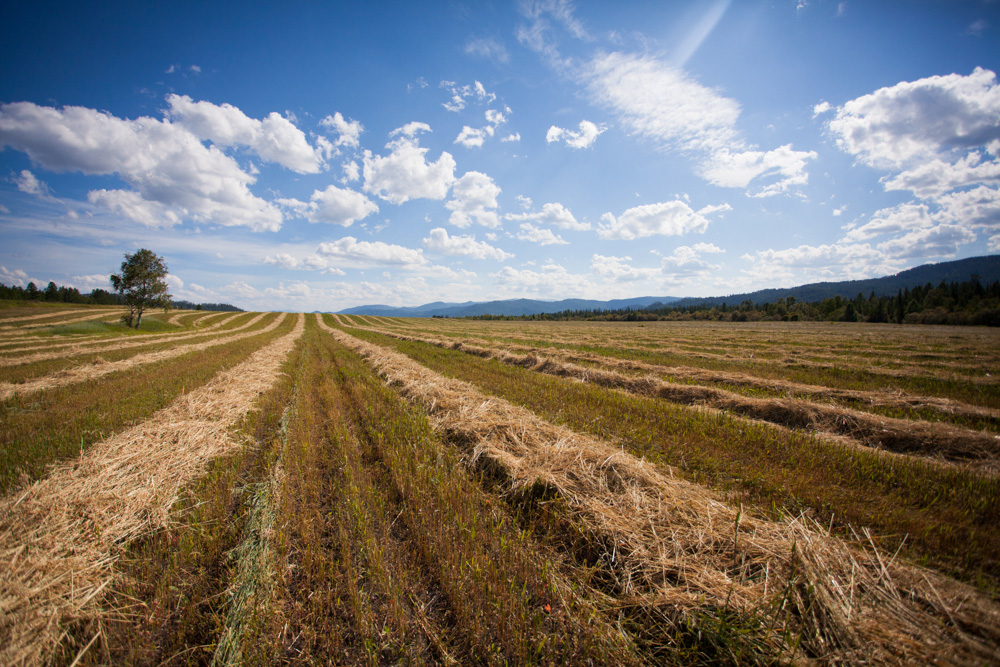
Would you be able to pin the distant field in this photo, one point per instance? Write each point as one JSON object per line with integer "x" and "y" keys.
{"x": 256, "y": 488}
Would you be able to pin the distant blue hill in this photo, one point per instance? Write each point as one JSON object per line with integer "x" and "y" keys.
{"x": 987, "y": 268}
{"x": 513, "y": 307}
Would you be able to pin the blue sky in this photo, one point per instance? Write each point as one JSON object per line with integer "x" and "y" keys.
{"x": 325, "y": 155}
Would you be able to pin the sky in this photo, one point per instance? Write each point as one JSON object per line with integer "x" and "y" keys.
{"x": 324, "y": 155}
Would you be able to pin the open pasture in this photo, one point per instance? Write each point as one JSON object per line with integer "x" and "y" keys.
{"x": 262, "y": 489}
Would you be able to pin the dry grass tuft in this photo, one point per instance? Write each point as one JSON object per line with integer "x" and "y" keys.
{"x": 672, "y": 546}
{"x": 60, "y": 537}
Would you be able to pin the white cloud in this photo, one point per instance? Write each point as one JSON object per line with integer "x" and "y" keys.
{"x": 274, "y": 139}
{"x": 978, "y": 208}
{"x": 940, "y": 132}
{"x": 737, "y": 170}
{"x": 553, "y": 214}
{"x": 901, "y": 218}
{"x": 352, "y": 171}
{"x": 937, "y": 241}
{"x": 411, "y": 129}
{"x": 439, "y": 241}
{"x": 821, "y": 108}
{"x": 666, "y": 218}
{"x": 686, "y": 266}
{"x": 335, "y": 205}
{"x": 512, "y": 137}
{"x": 162, "y": 161}
{"x": 552, "y": 281}
{"x": 405, "y": 174}
{"x": 617, "y": 269}
{"x": 19, "y": 278}
{"x": 348, "y": 131}
{"x": 474, "y": 198}
{"x": 460, "y": 95}
{"x": 662, "y": 103}
{"x": 349, "y": 249}
{"x": 471, "y": 137}
{"x": 585, "y": 138}
{"x": 538, "y": 235}
{"x": 29, "y": 183}
{"x": 131, "y": 205}
{"x": 488, "y": 48}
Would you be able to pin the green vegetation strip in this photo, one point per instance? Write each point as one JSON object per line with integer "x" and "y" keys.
{"x": 42, "y": 428}
{"x": 940, "y": 516}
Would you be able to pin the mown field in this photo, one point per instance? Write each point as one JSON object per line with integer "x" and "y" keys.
{"x": 262, "y": 488}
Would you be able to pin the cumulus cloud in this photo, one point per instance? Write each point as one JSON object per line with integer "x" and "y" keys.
{"x": 275, "y": 138}
{"x": 664, "y": 219}
{"x": 618, "y": 269}
{"x": 461, "y": 94}
{"x": 660, "y": 102}
{"x": 552, "y": 281}
{"x": 354, "y": 252}
{"x": 552, "y": 214}
{"x": 131, "y": 205}
{"x": 686, "y": 265}
{"x": 163, "y": 162}
{"x": 906, "y": 124}
{"x": 439, "y": 241}
{"x": 474, "y": 200}
{"x": 473, "y": 137}
{"x": 937, "y": 137}
{"x": 348, "y": 131}
{"x": 405, "y": 173}
{"x": 584, "y": 138}
{"x": 901, "y": 218}
{"x": 738, "y": 169}
{"x": 538, "y": 235}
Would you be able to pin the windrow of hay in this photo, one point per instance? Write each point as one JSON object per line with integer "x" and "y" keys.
{"x": 673, "y": 547}
{"x": 931, "y": 439}
{"x": 57, "y": 350}
{"x": 868, "y": 353}
{"x": 96, "y": 370}
{"x": 60, "y": 537}
{"x": 48, "y": 315}
{"x": 876, "y": 399}
{"x": 102, "y": 316}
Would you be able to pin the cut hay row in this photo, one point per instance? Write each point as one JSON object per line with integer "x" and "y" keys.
{"x": 93, "y": 371}
{"x": 87, "y": 318}
{"x": 897, "y": 399}
{"x": 60, "y": 313}
{"x": 817, "y": 347}
{"x": 930, "y": 439}
{"x": 672, "y": 547}
{"x": 60, "y": 537}
{"x": 58, "y": 351}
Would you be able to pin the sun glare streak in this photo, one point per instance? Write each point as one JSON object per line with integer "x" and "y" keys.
{"x": 690, "y": 44}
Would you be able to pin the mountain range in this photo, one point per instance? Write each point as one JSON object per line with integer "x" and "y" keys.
{"x": 987, "y": 268}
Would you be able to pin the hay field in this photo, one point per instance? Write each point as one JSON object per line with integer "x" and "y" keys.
{"x": 259, "y": 489}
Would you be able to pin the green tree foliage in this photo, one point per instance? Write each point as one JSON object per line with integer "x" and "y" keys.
{"x": 141, "y": 284}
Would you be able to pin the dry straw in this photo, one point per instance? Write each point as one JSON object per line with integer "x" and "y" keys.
{"x": 101, "y": 367}
{"x": 105, "y": 315}
{"x": 57, "y": 351}
{"x": 672, "y": 546}
{"x": 60, "y": 537}
{"x": 934, "y": 439}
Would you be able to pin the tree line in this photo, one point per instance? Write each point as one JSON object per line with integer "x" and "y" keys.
{"x": 964, "y": 303}
{"x": 99, "y": 297}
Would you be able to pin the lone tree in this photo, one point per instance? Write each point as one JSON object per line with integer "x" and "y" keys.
{"x": 141, "y": 284}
